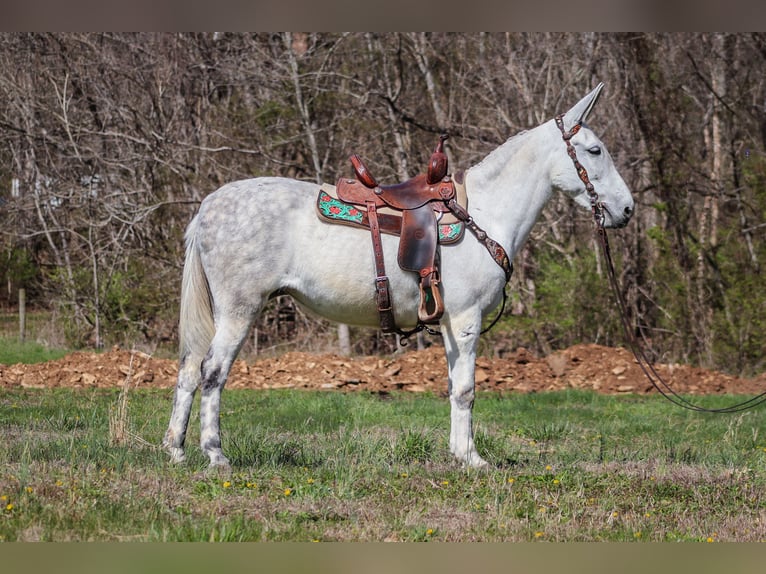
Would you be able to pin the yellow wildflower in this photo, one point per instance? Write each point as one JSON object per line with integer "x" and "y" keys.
{"x": 227, "y": 484}
{"x": 288, "y": 491}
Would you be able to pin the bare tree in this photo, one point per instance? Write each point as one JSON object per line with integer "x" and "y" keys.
{"x": 114, "y": 139}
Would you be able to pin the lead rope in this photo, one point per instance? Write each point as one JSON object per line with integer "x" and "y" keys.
{"x": 646, "y": 366}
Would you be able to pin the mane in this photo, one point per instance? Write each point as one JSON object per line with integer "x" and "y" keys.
{"x": 506, "y": 150}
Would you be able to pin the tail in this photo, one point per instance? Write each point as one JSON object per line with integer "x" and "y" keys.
{"x": 196, "y": 326}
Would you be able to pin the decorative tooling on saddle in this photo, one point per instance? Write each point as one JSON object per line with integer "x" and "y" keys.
{"x": 333, "y": 210}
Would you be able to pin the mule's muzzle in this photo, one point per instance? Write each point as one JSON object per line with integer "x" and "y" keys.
{"x": 617, "y": 219}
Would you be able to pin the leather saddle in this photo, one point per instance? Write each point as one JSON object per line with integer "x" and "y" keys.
{"x": 412, "y": 208}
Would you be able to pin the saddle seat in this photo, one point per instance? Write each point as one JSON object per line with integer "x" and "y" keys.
{"x": 420, "y": 201}
{"x": 408, "y": 195}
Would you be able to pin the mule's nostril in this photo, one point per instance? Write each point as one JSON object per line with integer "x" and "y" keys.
{"x": 628, "y": 210}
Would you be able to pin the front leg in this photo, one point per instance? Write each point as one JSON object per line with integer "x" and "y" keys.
{"x": 461, "y": 336}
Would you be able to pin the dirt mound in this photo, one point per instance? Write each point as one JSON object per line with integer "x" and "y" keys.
{"x": 603, "y": 369}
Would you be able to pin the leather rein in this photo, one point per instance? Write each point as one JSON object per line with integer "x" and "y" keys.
{"x": 646, "y": 366}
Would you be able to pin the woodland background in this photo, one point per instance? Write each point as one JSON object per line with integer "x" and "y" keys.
{"x": 108, "y": 142}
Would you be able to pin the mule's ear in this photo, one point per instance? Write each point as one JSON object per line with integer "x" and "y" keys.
{"x": 580, "y": 111}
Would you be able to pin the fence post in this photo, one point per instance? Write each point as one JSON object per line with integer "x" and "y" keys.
{"x": 22, "y": 315}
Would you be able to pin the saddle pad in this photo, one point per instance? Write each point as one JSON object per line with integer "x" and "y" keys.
{"x": 333, "y": 210}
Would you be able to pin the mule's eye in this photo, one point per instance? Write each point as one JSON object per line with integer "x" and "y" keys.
{"x": 595, "y": 150}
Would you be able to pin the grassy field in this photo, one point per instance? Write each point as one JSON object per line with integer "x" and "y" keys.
{"x": 329, "y": 466}
{"x": 12, "y": 351}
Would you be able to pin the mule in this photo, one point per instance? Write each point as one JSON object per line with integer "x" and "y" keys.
{"x": 257, "y": 238}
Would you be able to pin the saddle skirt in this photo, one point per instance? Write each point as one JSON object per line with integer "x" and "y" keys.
{"x": 332, "y": 209}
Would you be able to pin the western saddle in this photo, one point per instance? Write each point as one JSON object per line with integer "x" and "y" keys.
{"x": 412, "y": 210}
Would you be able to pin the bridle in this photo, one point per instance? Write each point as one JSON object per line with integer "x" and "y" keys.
{"x": 646, "y": 366}
{"x": 596, "y": 207}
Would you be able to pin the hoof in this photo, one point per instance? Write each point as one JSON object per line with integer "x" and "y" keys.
{"x": 472, "y": 460}
{"x": 477, "y": 462}
{"x": 218, "y": 462}
{"x": 177, "y": 455}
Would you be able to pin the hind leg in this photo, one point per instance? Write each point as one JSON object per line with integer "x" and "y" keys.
{"x": 188, "y": 380}
{"x": 230, "y": 334}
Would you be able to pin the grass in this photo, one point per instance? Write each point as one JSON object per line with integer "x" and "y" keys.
{"x": 13, "y": 351}
{"x": 567, "y": 466}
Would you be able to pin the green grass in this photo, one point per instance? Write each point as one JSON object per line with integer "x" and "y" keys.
{"x": 13, "y": 351}
{"x": 567, "y": 466}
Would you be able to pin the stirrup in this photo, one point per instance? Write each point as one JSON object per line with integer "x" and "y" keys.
{"x": 430, "y": 296}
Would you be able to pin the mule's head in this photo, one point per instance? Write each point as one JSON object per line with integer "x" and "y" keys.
{"x": 613, "y": 194}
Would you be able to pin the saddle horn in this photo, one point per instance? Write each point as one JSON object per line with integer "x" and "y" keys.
{"x": 437, "y": 167}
